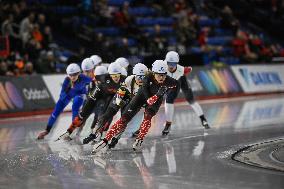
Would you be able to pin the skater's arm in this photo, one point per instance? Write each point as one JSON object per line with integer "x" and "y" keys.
{"x": 187, "y": 70}
{"x": 86, "y": 79}
{"x": 120, "y": 95}
{"x": 66, "y": 86}
{"x": 146, "y": 87}
{"x": 96, "y": 92}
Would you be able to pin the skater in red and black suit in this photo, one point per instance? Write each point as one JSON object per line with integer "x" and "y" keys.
{"x": 105, "y": 90}
{"x": 123, "y": 96}
{"x": 150, "y": 95}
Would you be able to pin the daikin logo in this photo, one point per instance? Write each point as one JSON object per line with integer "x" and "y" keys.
{"x": 260, "y": 78}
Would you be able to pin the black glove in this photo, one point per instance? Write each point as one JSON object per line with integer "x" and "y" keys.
{"x": 162, "y": 90}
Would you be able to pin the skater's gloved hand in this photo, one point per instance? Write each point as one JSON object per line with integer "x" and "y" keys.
{"x": 121, "y": 92}
{"x": 152, "y": 100}
{"x": 119, "y": 101}
{"x": 162, "y": 90}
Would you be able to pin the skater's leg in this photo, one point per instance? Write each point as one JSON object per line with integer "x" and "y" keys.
{"x": 59, "y": 107}
{"x": 131, "y": 110}
{"x": 150, "y": 111}
{"x": 170, "y": 109}
{"x": 77, "y": 103}
{"x": 83, "y": 115}
{"x": 195, "y": 105}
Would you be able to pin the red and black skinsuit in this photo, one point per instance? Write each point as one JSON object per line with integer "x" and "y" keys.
{"x": 105, "y": 91}
{"x": 150, "y": 96}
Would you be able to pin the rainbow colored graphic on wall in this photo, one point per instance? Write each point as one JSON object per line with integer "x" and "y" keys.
{"x": 10, "y": 97}
{"x": 218, "y": 81}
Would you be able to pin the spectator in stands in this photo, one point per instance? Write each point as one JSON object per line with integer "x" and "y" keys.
{"x": 33, "y": 48}
{"x": 121, "y": 17}
{"x": 242, "y": 49}
{"x": 29, "y": 69}
{"x": 26, "y": 27}
{"x": 159, "y": 42}
{"x": 36, "y": 33}
{"x": 123, "y": 49}
{"x": 47, "y": 37}
{"x": 186, "y": 31}
{"x": 228, "y": 19}
{"x": 4, "y": 69}
{"x": 41, "y": 22}
{"x": 8, "y": 29}
{"x": 46, "y": 63}
{"x": 104, "y": 12}
{"x": 78, "y": 57}
{"x": 19, "y": 67}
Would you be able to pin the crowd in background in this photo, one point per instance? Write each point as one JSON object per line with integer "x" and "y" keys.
{"x": 36, "y": 37}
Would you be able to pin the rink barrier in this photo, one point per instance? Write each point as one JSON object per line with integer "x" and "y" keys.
{"x": 24, "y": 94}
{"x": 205, "y": 81}
{"x": 38, "y": 94}
{"x": 260, "y": 78}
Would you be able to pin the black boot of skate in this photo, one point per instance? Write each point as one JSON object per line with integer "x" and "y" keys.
{"x": 135, "y": 134}
{"x": 113, "y": 143}
{"x": 90, "y": 138}
{"x": 167, "y": 129}
{"x": 204, "y": 122}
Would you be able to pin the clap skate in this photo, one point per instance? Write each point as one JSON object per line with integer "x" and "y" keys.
{"x": 99, "y": 146}
{"x": 137, "y": 145}
{"x": 42, "y": 134}
{"x": 166, "y": 129}
{"x": 205, "y": 124}
{"x": 65, "y": 136}
{"x": 135, "y": 134}
{"x": 113, "y": 143}
{"x": 89, "y": 138}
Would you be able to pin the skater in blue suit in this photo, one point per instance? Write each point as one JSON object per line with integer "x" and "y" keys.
{"x": 74, "y": 87}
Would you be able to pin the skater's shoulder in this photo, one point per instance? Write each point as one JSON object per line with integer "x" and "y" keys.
{"x": 84, "y": 78}
{"x": 170, "y": 80}
{"x": 129, "y": 79}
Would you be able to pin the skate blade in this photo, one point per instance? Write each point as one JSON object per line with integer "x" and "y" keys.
{"x": 64, "y": 139}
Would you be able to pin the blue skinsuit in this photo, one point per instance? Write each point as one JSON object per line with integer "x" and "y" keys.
{"x": 70, "y": 91}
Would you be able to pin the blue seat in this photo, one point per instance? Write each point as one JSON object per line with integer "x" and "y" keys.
{"x": 153, "y": 21}
{"x": 209, "y": 22}
{"x": 223, "y": 32}
{"x": 172, "y": 40}
{"x": 131, "y": 42}
{"x": 66, "y": 10}
{"x": 141, "y": 11}
{"x": 164, "y": 30}
{"x": 164, "y": 21}
{"x": 218, "y": 40}
{"x": 117, "y": 2}
{"x": 195, "y": 50}
{"x": 230, "y": 60}
{"x": 111, "y": 31}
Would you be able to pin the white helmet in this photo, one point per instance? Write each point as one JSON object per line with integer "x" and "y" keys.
{"x": 96, "y": 59}
{"x": 123, "y": 71}
{"x": 87, "y": 64}
{"x": 139, "y": 69}
{"x": 114, "y": 68}
{"x": 123, "y": 62}
{"x": 72, "y": 69}
{"x": 172, "y": 56}
{"x": 159, "y": 66}
{"x": 100, "y": 70}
